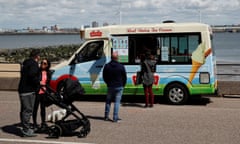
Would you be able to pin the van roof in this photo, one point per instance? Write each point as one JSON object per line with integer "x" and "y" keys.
{"x": 107, "y": 31}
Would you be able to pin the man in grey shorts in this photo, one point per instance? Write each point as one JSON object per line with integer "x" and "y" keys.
{"x": 28, "y": 86}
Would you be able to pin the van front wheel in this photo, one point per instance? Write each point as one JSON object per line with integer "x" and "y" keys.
{"x": 176, "y": 94}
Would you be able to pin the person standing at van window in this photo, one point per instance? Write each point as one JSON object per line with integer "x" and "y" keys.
{"x": 148, "y": 67}
{"x": 28, "y": 86}
{"x": 45, "y": 77}
{"x": 114, "y": 75}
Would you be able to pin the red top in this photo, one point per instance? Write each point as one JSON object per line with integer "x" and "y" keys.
{"x": 43, "y": 81}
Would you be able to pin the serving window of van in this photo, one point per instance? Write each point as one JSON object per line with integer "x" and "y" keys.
{"x": 174, "y": 48}
{"x": 177, "y": 48}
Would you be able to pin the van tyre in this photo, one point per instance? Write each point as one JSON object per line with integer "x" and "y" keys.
{"x": 176, "y": 94}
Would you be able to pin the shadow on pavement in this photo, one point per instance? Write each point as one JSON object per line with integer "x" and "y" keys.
{"x": 139, "y": 100}
{"x": 199, "y": 101}
{"x": 95, "y": 117}
{"x": 132, "y": 105}
{"x": 12, "y": 129}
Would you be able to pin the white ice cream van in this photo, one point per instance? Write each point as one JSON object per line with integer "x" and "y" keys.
{"x": 185, "y": 59}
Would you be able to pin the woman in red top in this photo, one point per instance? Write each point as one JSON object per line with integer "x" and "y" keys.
{"x": 45, "y": 77}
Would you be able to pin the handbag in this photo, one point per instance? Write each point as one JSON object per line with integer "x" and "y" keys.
{"x": 148, "y": 77}
{"x": 139, "y": 79}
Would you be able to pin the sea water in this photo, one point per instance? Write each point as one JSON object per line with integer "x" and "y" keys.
{"x": 226, "y": 45}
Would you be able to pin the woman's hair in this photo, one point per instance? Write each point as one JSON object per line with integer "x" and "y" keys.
{"x": 48, "y": 64}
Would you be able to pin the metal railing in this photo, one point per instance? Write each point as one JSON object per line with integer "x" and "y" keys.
{"x": 228, "y": 72}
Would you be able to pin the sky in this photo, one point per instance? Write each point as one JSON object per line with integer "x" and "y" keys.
{"x": 18, "y": 14}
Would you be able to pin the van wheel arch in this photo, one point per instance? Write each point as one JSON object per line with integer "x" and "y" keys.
{"x": 176, "y": 93}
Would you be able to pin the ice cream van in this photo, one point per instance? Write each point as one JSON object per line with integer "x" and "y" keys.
{"x": 185, "y": 58}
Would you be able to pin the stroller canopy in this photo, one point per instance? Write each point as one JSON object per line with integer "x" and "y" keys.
{"x": 72, "y": 89}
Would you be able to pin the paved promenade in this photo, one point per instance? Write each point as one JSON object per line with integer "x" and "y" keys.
{"x": 209, "y": 120}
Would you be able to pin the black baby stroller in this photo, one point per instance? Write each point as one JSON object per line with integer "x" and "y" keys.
{"x": 70, "y": 92}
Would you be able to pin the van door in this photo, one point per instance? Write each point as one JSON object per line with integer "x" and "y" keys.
{"x": 87, "y": 66}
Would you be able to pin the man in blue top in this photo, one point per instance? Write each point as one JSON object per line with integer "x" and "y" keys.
{"x": 114, "y": 75}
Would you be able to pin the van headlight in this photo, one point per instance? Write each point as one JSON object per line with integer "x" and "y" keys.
{"x": 204, "y": 78}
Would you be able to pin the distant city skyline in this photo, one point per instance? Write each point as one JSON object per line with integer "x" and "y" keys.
{"x": 56, "y": 29}
{"x": 19, "y": 14}
{"x": 93, "y": 24}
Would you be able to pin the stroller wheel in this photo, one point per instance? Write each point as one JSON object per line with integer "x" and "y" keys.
{"x": 83, "y": 133}
{"x": 85, "y": 130}
{"x": 55, "y": 131}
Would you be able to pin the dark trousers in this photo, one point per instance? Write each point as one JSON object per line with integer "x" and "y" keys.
{"x": 148, "y": 95}
{"x": 27, "y": 103}
{"x": 40, "y": 99}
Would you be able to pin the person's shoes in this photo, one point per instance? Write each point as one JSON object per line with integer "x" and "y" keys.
{"x": 28, "y": 133}
{"x": 43, "y": 128}
{"x": 146, "y": 106}
{"x": 106, "y": 118}
{"x": 151, "y": 106}
{"x": 35, "y": 127}
{"x": 117, "y": 120}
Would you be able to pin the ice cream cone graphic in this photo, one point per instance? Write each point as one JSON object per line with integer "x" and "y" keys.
{"x": 195, "y": 66}
{"x": 198, "y": 59}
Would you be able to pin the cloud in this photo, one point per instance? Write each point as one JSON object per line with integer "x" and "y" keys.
{"x": 74, "y": 13}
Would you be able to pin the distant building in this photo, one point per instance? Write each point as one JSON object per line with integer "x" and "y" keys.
{"x": 105, "y": 24}
{"x": 22, "y": 31}
{"x": 95, "y": 24}
{"x": 87, "y": 26}
{"x": 54, "y": 28}
{"x": 45, "y": 28}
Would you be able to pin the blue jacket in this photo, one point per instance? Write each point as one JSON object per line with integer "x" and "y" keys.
{"x": 114, "y": 74}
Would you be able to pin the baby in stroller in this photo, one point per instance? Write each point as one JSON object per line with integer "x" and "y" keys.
{"x": 79, "y": 124}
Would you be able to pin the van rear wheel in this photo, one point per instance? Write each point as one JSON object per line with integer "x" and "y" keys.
{"x": 176, "y": 94}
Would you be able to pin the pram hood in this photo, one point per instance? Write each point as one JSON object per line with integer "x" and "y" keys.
{"x": 69, "y": 91}
{"x": 72, "y": 89}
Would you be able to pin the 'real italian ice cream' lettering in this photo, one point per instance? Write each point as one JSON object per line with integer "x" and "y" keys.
{"x": 198, "y": 59}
